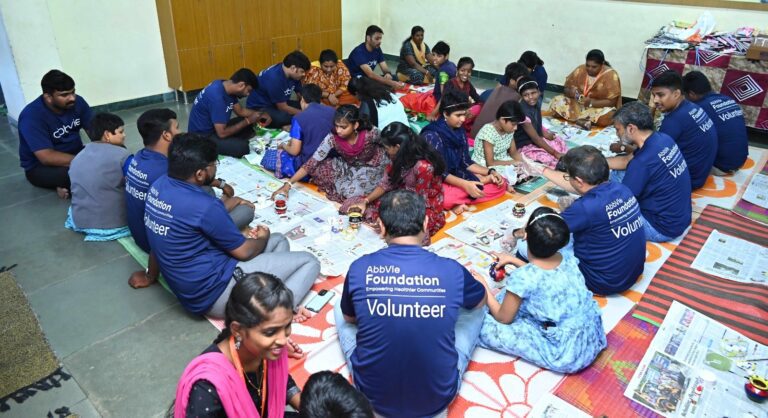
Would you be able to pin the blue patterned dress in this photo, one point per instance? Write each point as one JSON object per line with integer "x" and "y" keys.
{"x": 560, "y": 299}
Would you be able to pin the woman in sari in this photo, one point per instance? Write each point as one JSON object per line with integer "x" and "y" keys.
{"x": 415, "y": 58}
{"x": 358, "y": 162}
{"x": 464, "y": 181}
{"x": 332, "y": 76}
{"x": 417, "y": 167}
{"x": 592, "y": 93}
{"x": 244, "y": 373}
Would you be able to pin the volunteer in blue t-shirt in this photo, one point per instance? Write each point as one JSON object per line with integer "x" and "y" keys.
{"x": 364, "y": 59}
{"x": 49, "y": 132}
{"x": 607, "y": 227}
{"x": 276, "y": 86}
{"x": 308, "y": 129}
{"x": 200, "y": 251}
{"x": 408, "y": 319}
{"x": 656, "y": 173}
{"x": 732, "y": 143}
{"x": 687, "y": 124}
{"x": 213, "y": 107}
{"x": 157, "y": 128}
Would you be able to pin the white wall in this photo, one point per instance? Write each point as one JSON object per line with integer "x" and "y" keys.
{"x": 31, "y": 48}
{"x": 111, "y": 48}
{"x": 496, "y": 32}
{"x": 356, "y": 15}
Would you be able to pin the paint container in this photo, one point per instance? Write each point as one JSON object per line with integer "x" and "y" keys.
{"x": 355, "y": 217}
{"x": 519, "y": 210}
{"x": 281, "y": 204}
{"x": 756, "y": 389}
{"x": 497, "y": 275}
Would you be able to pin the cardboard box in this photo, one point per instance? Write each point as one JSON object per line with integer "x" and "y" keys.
{"x": 759, "y": 48}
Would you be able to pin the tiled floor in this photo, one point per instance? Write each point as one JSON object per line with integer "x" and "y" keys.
{"x": 124, "y": 348}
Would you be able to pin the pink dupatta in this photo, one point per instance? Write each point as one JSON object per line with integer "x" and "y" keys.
{"x": 230, "y": 386}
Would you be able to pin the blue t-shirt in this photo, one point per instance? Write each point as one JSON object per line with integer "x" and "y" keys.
{"x": 608, "y": 237}
{"x": 658, "y": 176}
{"x": 145, "y": 167}
{"x": 732, "y": 143}
{"x": 212, "y": 106}
{"x": 445, "y": 73}
{"x": 190, "y": 233}
{"x": 40, "y": 128}
{"x": 361, "y": 56}
{"x": 406, "y": 302}
{"x": 274, "y": 87}
{"x": 694, "y": 133}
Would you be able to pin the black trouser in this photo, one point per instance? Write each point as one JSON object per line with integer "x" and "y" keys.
{"x": 280, "y": 118}
{"x": 49, "y": 177}
{"x": 235, "y": 145}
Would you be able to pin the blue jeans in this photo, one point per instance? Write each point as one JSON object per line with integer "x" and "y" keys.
{"x": 467, "y": 330}
{"x": 651, "y": 234}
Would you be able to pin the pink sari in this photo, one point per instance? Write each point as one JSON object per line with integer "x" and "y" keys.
{"x": 230, "y": 386}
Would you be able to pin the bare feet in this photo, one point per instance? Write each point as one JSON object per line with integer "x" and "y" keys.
{"x": 459, "y": 209}
{"x": 63, "y": 192}
{"x": 294, "y": 350}
{"x": 139, "y": 279}
{"x": 301, "y": 315}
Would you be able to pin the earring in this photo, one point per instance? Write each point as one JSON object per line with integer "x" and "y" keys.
{"x": 238, "y": 341}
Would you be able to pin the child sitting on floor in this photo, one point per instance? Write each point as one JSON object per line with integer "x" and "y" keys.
{"x": 495, "y": 144}
{"x": 429, "y": 102}
{"x": 532, "y": 140}
{"x": 462, "y": 83}
{"x": 98, "y": 202}
{"x": 545, "y": 315}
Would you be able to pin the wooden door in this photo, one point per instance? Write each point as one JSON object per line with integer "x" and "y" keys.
{"x": 332, "y": 40}
{"x": 224, "y": 22}
{"x": 257, "y": 55}
{"x": 254, "y": 20}
{"x": 282, "y": 46}
{"x": 195, "y": 65}
{"x": 282, "y": 19}
{"x": 190, "y": 23}
{"x": 226, "y": 59}
{"x": 311, "y": 44}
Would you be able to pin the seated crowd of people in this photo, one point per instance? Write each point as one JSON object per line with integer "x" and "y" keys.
{"x": 350, "y": 136}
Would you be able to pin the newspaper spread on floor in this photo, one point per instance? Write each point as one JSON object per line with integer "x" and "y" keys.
{"x": 307, "y": 221}
{"x": 329, "y": 237}
{"x": 550, "y": 406}
{"x": 697, "y": 367}
{"x": 490, "y": 229}
{"x": 733, "y": 258}
{"x": 757, "y": 191}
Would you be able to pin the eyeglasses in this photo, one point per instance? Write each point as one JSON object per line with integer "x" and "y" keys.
{"x": 214, "y": 164}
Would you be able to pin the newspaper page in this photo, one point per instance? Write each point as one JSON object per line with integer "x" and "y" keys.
{"x": 488, "y": 229}
{"x": 697, "y": 367}
{"x": 550, "y": 406}
{"x": 757, "y": 191}
{"x": 335, "y": 250}
{"x": 733, "y": 258}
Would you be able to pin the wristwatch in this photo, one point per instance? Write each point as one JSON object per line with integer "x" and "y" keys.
{"x": 222, "y": 183}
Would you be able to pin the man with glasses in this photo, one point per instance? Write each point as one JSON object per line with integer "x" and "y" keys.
{"x": 200, "y": 251}
{"x": 157, "y": 128}
{"x": 605, "y": 222}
